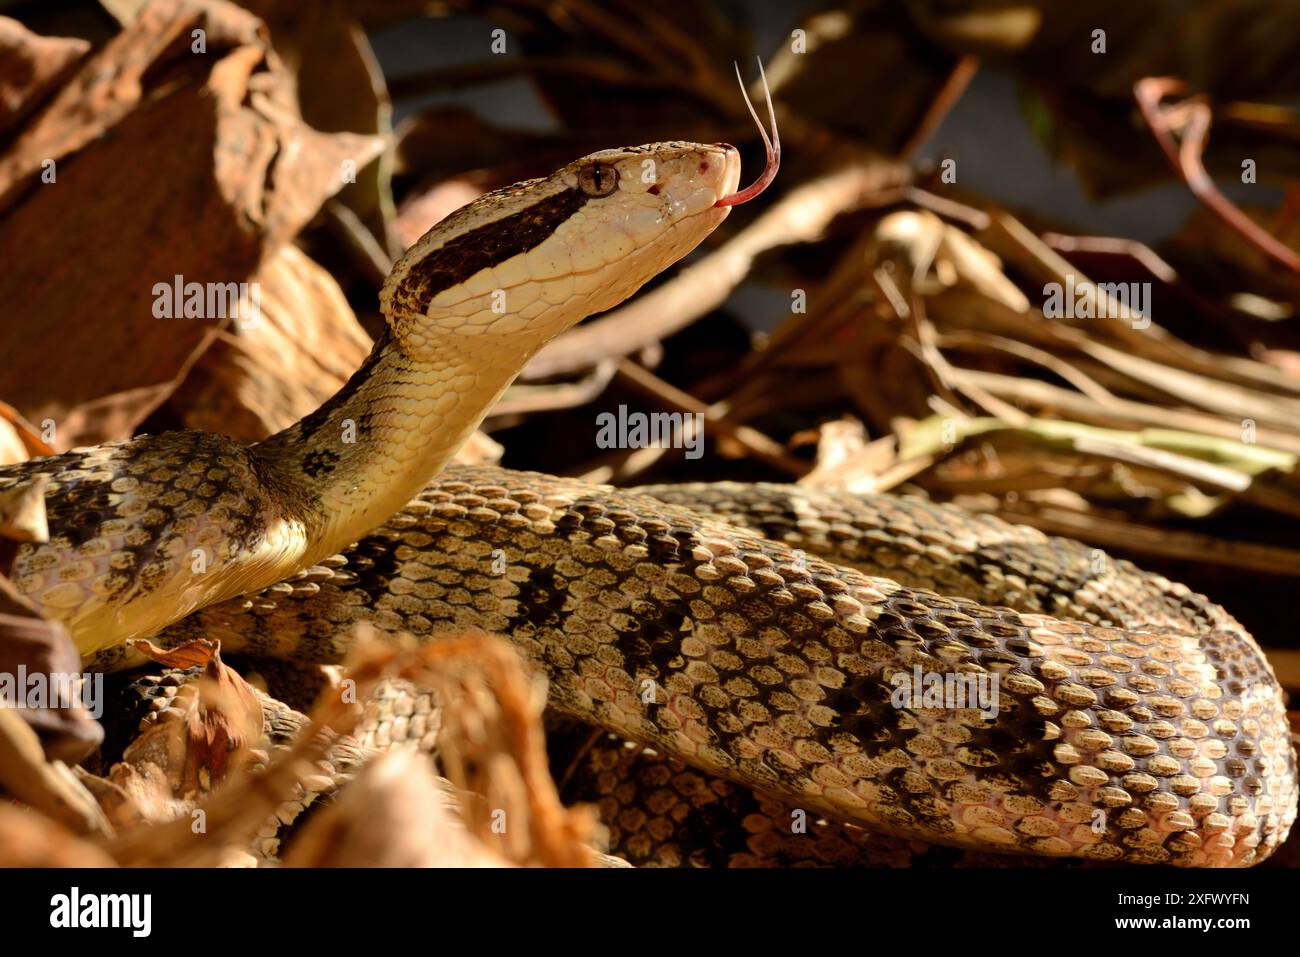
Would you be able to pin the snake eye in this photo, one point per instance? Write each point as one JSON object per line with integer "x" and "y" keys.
{"x": 598, "y": 179}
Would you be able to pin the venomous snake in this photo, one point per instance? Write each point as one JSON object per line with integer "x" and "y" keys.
{"x": 728, "y": 645}
{"x": 700, "y": 620}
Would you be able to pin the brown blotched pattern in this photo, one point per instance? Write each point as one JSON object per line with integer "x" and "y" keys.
{"x": 659, "y": 812}
{"x": 131, "y": 520}
{"x": 955, "y": 552}
{"x": 747, "y": 659}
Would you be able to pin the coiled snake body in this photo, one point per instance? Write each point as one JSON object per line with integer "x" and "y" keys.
{"x": 699, "y": 620}
{"x": 750, "y": 659}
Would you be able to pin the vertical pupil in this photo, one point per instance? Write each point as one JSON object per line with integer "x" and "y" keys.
{"x": 595, "y": 176}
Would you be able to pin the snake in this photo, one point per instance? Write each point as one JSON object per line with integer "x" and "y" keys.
{"x": 759, "y": 634}
{"x": 144, "y": 531}
{"x": 1136, "y": 721}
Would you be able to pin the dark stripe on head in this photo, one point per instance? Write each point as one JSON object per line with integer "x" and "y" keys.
{"x": 484, "y": 247}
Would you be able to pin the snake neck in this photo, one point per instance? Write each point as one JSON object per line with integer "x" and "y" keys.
{"x": 361, "y": 456}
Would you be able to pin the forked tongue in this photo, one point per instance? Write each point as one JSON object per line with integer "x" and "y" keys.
{"x": 773, "y": 145}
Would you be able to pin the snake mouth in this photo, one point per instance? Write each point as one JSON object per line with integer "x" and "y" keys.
{"x": 772, "y": 146}
{"x": 731, "y": 175}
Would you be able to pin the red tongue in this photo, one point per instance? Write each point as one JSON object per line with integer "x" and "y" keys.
{"x": 772, "y": 145}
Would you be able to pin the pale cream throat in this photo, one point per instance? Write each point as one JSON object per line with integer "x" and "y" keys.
{"x": 370, "y": 449}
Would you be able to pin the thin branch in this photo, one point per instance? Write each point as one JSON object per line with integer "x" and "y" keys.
{"x": 1186, "y": 160}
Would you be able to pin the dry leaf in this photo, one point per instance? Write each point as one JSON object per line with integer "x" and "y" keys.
{"x": 396, "y": 813}
{"x": 209, "y": 729}
{"x": 207, "y": 147}
{"x": 29, "y": 839}
{"x": 30, "y": 67}
{"x": 257, "y": 380}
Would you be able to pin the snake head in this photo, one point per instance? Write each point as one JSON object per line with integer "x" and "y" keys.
{"x": 521, "y": 264}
